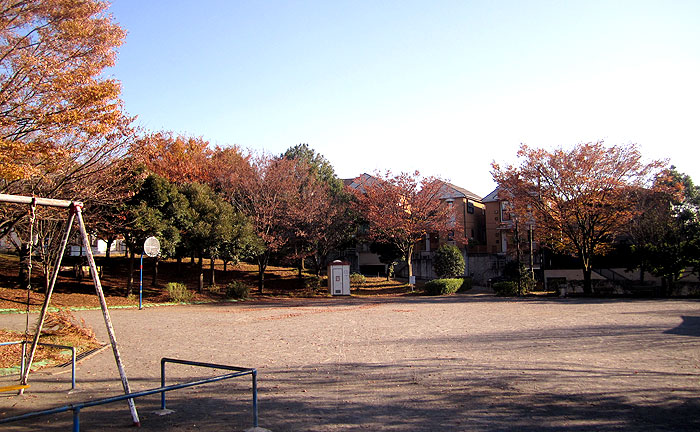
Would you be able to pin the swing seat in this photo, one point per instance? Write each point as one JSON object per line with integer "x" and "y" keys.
{"x": 14, "y": 387}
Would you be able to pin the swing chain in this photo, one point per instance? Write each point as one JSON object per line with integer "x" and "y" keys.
{"x": 32, "y": 220}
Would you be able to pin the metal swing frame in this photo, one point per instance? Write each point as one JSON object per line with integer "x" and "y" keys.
{"x": 75, "y": 211}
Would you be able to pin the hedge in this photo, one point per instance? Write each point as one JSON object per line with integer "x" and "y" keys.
{"x": 443, "y": 286}
{"x": 505, "y": 288}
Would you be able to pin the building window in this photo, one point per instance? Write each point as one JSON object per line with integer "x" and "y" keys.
{"x": 470, "y": 207}
{"x": 505, "y": 211}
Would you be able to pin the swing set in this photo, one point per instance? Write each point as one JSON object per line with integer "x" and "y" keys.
{"x": 74, "y": 212}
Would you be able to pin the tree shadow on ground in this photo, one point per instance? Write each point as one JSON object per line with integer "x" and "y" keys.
{"x": 415, "y": 396}
{"x": 689, "y": 327}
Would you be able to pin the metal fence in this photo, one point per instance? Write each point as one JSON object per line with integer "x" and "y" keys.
{"x": 77, "y": 407}
{"x": 24, "y": 354}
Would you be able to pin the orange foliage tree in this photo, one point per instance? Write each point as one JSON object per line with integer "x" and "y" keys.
{"x": 177, "y": 158}
{"x": 63, "y": 133}
{"x": 581, "y": 199}
{"x": 53, "y": 98}
{"x": 326, "y": 221}
{"x": 400, "y": 210}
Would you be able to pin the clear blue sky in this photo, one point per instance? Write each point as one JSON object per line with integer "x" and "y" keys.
{"x": 444, "y": 87}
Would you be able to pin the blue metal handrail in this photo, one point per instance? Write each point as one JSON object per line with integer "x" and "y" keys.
{"x": 24, "y": 352}
{"x": 239, "y": 371}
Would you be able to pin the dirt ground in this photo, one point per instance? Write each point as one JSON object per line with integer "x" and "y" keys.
{"x": 455, "y": 363}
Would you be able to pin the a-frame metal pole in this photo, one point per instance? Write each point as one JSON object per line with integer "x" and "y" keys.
{"x": 47, "y": 299}
{"x": 105, "y": 313}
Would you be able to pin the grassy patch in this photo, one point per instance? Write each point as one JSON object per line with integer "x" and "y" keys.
{"x": 60, "y": 328}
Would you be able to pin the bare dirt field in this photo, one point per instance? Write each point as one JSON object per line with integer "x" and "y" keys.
{"x": 456, "y": 363}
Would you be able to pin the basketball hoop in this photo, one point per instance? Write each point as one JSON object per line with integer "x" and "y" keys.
{"x": 151, "y": 247}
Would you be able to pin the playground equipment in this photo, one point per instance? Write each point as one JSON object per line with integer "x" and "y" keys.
{"x": 77, "y": 407}
{"x": 75, "y": 212}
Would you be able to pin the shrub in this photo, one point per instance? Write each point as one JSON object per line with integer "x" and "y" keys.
{"x": 178, "y": 292}
{"x": 312, "y": 283}
{"x": 443, "y": 286}
{"x": 466, "y": 284}
{"x": 510, "y": 288}
{"x": 237, "y": 290}
{"x": 505, "y": 288}
{"x": 448, "y": 262}
{"x": 357, "y": 279}
{"x": 514, "y": 270}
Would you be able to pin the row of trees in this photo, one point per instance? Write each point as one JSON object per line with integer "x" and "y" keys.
{"x": 591, "y": 199}
{"x": 291, "y": 207}
{"x": 64, "y": 134}
{"x": 222, "y": 204}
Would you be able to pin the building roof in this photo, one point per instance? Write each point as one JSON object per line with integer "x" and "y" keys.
{"x": 360, "y": 182}
{"x": 449, "y": 190}
{"x": 453, "y": 191}
{"x": 492, "y": 197}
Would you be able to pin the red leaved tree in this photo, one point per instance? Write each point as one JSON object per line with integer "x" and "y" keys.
{"x": 581, "y": 199}
{"x": 280, "y": 197}
{"x": 402, "y": 209}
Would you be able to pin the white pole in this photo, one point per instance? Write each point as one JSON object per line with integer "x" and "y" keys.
{"x": 105, "y": 313}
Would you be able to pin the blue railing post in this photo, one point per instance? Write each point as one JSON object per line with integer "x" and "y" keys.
{"x": 162, "y": 383}
{"x": 76, "y": 419}
{"x": 255, "y": 397}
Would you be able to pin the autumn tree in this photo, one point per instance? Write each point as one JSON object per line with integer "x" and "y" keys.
{"x": 325, "y": 218}
{"x": 179, "y": 159}
{"x": 581, "y": 199}
{"x": 402, "y": 209}
{"x": 228, "y": 166}
{"x": 666, "y": 231}
{"x": 62, "y": 128}
{"x": 52, "y": 54}
{"x": 269, "y": 196}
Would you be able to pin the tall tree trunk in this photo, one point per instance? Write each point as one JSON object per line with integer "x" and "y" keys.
{"x": 409, "y": 262}
{"x": 200, "y": 267}
{"x": 212, "y": 267}
{"x": 518, "y": 257}
{"x": 532, "y": 254}
{"x": 108, "y": 252}
{"x": 225, "y": 262}
{"x": 154, "y": 282}
{"x": 130, "y": 279}
{"x": 587, "y": 288}
{"x": 262, "y": 266}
